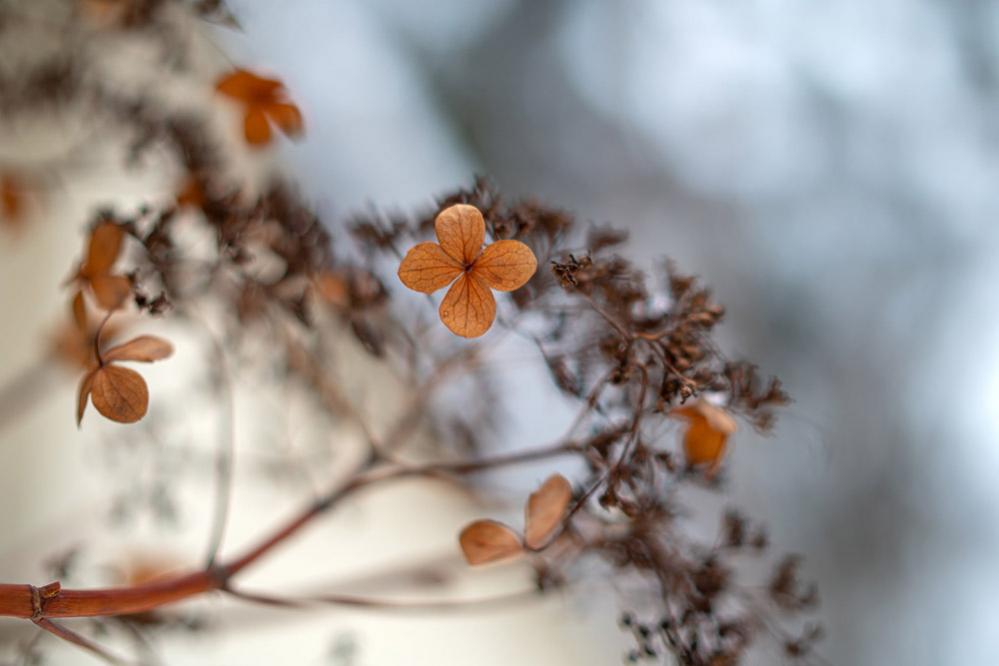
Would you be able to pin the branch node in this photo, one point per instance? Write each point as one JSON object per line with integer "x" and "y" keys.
{"x": 40, "y": 596}
{"x": 219, "y": 573}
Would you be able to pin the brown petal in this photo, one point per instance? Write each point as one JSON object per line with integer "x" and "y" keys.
{"x": 145, "y": 348}
{"x": 717, "y": 417}
{"x": 461, "y": 231}
{"x": 247, "y": 86}
{"x": 120, "y": 394}
{"x": 487, "y": 541}
{"x": 703, "y": 445}
{"x": 506, "y": 265}
{"x": 256, "y": 128}
{"x": 81, "y": 399}
{"x": 469, "y": 308}
{"x": 545, "y": 510}
{"x": 286, "y": 116}
{"x": 103, "y": 250}
{"x": 110, "y": 290}
{"x": 427, "y": 268}
{"x": 80, "y": 312}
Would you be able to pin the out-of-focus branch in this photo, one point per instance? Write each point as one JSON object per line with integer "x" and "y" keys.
{"x": 39, "y": 604}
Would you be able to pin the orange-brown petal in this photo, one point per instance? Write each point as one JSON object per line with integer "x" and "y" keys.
{"x": 469, "y": 308}
{"x": 703, "y": 444}
{"x": 545, "y": 510}
{"x": 119, "y": 394}
{"x": 247, "y": 86}
{"x": 103, "y": 249}
{"x": 145, "y": 348}
{"x": 256, "y": 127}
{"x": 461, "y": 232}
{"x": 286, "y": 116}
{"x": 717, "y": 417}
{"x": 80, "y": 313}
{"x": 110, "y": 290}
{"x": 506, "y": 265}
{"x": 486, "y": 541}
{"x": 427, "y": 268}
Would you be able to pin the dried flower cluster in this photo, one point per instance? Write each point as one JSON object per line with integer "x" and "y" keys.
{"x": 657, "y": 400}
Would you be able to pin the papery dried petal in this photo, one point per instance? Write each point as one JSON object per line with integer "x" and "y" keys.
{"x": 427, "y": 268}
{"x": 80, "y": 312}
{"x": 469, "y": 308}
{"x": 286, "y": 116}
{"x": 546, "y": 507}
{"x": 461, "y": 231}
{"x": 486, "y": 541}
{"x": 110, "y": 290}
{"x": 246, "y": 86}
{"x": 506, "y": 265}
{"x": 145, "y": 348}
{"x": 705, "y": 441}
{"x": 103, "y": 249}
{"x": 119, "y": 394}
{"x": 256, "y": 128}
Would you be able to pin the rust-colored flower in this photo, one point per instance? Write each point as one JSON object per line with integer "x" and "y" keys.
{"x": 469, "y": 308}
{"x": 705, "y": 441}
{"x": 265, "y": 103}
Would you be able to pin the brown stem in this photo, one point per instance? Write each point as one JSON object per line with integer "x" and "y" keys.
{"x": 27, "y": 601}
{"x": 97, "y": 338}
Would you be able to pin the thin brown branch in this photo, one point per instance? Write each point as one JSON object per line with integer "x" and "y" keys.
{"x": 371, "y": 603}
{"x": 24, "y": 601}
{"x": 81, "y": 641}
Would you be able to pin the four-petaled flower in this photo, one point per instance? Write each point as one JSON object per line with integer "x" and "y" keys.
{"x": 265, "y": 102}
{"x": 469, "y": 308}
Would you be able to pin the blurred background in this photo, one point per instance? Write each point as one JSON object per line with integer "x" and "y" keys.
{"x": 828, "y": 168}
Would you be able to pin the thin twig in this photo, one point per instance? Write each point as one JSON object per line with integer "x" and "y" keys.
{"x": 82, "y": 641}
{"x": 224, "y": 455}
{"x": 394, "y": 605}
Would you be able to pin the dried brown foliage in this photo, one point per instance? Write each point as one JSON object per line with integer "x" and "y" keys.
{"x": 634, "y": 353}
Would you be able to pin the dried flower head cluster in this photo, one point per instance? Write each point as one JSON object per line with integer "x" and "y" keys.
{"x": 657, "y": 401}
